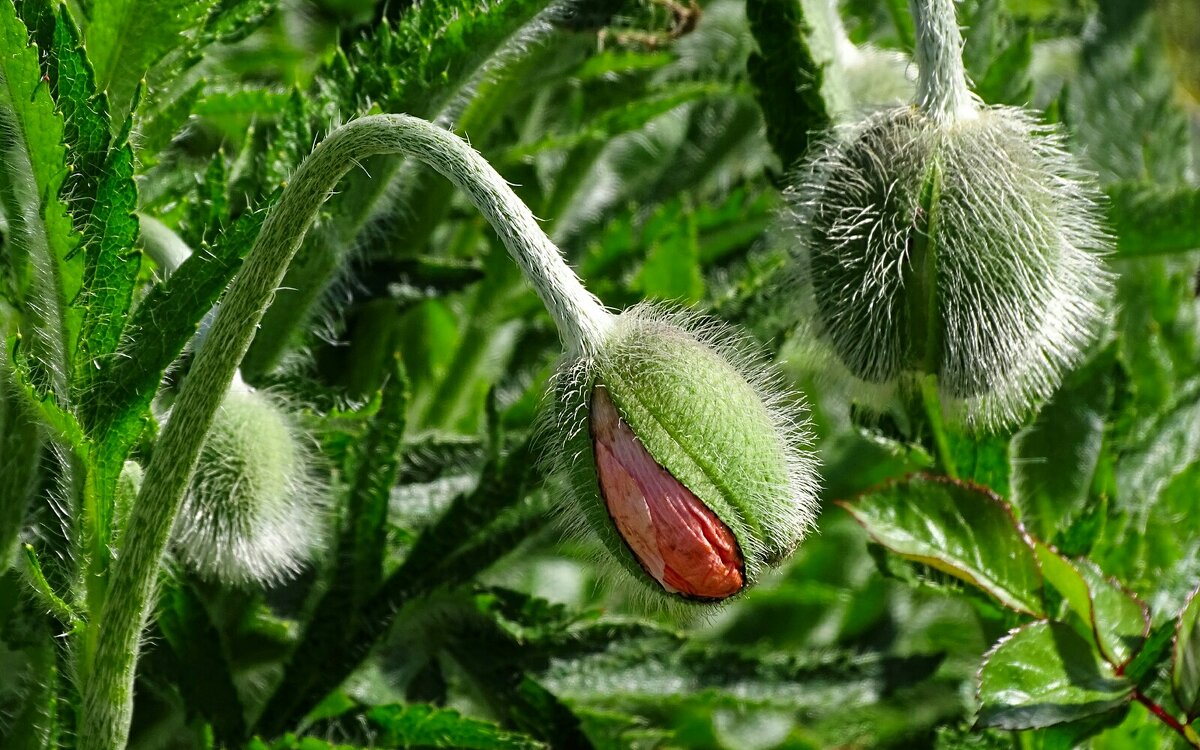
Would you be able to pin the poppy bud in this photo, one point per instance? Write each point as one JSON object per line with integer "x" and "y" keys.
{"x": 680, "y": 456}
{"x": 951, "y": 239}
{"x": 253, "y": 513}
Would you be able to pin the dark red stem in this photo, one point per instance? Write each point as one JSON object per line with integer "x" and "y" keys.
{"x": 1163, "y": 716}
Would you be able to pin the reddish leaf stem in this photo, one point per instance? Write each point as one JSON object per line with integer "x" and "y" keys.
{"x": 1163, "y": 716}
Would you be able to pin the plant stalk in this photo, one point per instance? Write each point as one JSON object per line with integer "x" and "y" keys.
{"x": 582, "y": 323}
{"x": 942, "y": 91}
{"x": 1161, "y": 714}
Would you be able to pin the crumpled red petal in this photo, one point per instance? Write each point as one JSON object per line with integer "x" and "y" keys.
{"x": 677, "y": 539}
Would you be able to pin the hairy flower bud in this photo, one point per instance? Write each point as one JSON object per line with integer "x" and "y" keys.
{"x": 253, "y": 513}
{"x": 950, "y": 239}
{"x": 680, "y": 456}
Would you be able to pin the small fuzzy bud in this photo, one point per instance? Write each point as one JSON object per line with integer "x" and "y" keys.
{"x": 253, "y": 513}
{"x": 680, "y": 456}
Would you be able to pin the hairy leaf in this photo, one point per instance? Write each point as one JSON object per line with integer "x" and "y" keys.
{"x": 786, "y": 79}
{"x": 45, "y": 272}
{"x": 126, "y": 38}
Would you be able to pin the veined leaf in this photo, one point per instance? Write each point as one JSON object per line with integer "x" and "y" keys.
{"x": 1119, "y": 622}
{"x": 1185, "y": 661}
{"x": 46, "y": 274}
{"x": 1043, "y": 674}
{"x": 127, "y": 37}
{"x": 658, "y": 669}
{"x": 420, "y": 725}
{"x": 959, "y": 529}
{"x": 1054, "y": 459}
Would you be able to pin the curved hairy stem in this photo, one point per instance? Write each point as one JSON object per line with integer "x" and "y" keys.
{"x": 942, "y": 90}
{"x": 582, "y": 322}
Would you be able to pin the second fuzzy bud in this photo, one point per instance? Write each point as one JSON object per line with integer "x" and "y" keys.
{"x": 951, "y": 239}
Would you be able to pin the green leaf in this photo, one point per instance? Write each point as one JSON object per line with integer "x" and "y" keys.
{"x": 786, "y": 79}
{"x": 1066, "y": 579}
{"x": 1167, "y": 448}
{"x": 419, "y": 64}
{"x": 1144, "y": 668}
{"x": 1043, "y": 674}
{"x": 660, "y": 668}
{"x": 628, "y": 116}
{"x": 375, "y": 468}
{"x": 672, "y": 267}
{"x": 1120, "y": 623}
{"x": 169, "y": 316}
{"x": 159, "y": 127}
{"x": 957, "y": 528}
{"x": 1120, "y": 620}
{"x": 103, "y": 200}
{"x": 1054, "y": 459}
{"x": 1007, "y": 78}
{"x": 1149, "y": 219}
{"x": 203, "y": 675}
{"x": 426, "y": 726}
{"x": 479, "y": 527}
{"x": 1185, "y": 661}
{"x": 126, "y": 38}
{"x": 46, "y": 274}
{"x": 113, "y": 258}
{"x": 414, "y": 725}
{"x": 362, "y": 543}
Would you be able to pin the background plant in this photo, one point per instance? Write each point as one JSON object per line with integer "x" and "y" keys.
{"x": 652, "y": 139}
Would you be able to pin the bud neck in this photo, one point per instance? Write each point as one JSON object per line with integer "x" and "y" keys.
{"x": 942, "y": 90}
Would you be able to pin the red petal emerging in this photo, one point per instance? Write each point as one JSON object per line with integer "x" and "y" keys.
{"x": 677, "y": 539}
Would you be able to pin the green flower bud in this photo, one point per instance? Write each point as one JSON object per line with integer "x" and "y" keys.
{"x": 951, "y": 239}
{"x": 680, "y": 456}
{"x": 253, "y": 513}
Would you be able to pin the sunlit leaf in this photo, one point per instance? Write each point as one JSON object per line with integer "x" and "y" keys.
{"x": 957, "y": 528}
{"x": 1044, "y": 674}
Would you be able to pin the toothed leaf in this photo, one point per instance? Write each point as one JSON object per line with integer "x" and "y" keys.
{"x": 1045, "y": 674}
{"x": 960, "y": 529}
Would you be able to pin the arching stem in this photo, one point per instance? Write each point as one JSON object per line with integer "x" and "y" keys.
{"x": 582, "y": 324}
{"x": 942, "y": 90}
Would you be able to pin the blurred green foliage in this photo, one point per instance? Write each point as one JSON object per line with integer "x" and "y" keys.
{"x": 652, "y": 138}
